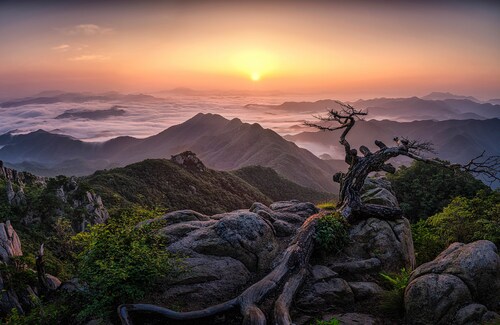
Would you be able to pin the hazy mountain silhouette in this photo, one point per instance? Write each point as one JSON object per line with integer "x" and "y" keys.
{"x": 455, "y": 140}
{"x": 436, "y": 95}
{"x": 92, "y": 114}
{"x": 401, "y": 109}
{"x": 51, "y": 97}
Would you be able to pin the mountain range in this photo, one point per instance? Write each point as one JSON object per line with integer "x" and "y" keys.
{"x": 401, "y": 109}
{"x": 220, "y": 143}
{"x": 454, "y": 140}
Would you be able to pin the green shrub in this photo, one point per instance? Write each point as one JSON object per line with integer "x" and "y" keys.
{"x": 392, "y": 301}
{"x": 120, "y": 261}
{"x": 331, "y": 233}
{"x": 425, "y": 189}
{"x": 463, "y": 220}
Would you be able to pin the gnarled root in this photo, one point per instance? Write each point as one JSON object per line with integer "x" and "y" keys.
{"x": 287, "y": 276}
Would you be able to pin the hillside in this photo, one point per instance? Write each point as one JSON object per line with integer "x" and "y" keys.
{"x": 278, "y": 188}
{"x": 165, "y": 184}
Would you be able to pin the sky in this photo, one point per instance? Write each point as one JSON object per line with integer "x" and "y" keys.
{"x": 349, "y": 48}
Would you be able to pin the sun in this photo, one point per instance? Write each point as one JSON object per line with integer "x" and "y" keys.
{"x": 255, "y": 76}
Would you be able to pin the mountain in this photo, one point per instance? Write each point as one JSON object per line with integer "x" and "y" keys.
{"x": 52, "y": 97}
{"x": 400, "y": 109}
{"x": 116, "y": 110}
{"x": 455, "y": 140}
{"x": 222, "y": 144}
{"x": 446, "y": 95}
{"x": 175, "y": 186}
{"x": 278, "y": 188}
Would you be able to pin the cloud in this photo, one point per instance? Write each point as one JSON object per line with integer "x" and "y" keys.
{"x": 87, "y": 30}
{"x": 62, "y": 47}
{"x": 89, "y": 57}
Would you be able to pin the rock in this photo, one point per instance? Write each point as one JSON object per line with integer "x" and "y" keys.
{"x": 390, "y": 241}
{"x": 435, "y": 298}
{"x": 324, "y": 295}
{"x": 365, "y": 290}
{"x": 10, "y": 245}
{"x": 206, "y": 281}
{"x": 321, "y": 272}
{"x": 490, "y": 318}
{"x": 188, "y": 160}
{"x": 477, "y": 264}
{"x": 470, "y": 314}
{"x": 357, "y": 266}
{"x": 354, "y": 319}
{"x": 242, "y": 235}
{"x": 303, "y": 209}
{"x": 378, "y": 191}
{"x": 53, "y": 281}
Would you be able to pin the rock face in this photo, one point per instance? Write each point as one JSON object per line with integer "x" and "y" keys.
{"x": 189, "y": 160}
{"x": 10, "y": 245}
{"x": 226, "y": 251}
{"x": 457, "y": 287}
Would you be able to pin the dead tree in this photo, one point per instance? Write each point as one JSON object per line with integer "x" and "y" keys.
{"x": 351, "y": 183}
{"x": 285, "y": 279}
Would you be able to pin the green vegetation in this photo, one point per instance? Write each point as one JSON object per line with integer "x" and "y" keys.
{"x": 120, "y": 261}
{"x": 331, "y": 206}
{"x": 464, "y": 220}
{"x": 331, "y": 233}
{"x": 161, "y": 183}
{"x": 278, "y": 188}
{"x": 392, "y": 301}
{"x": 425, "y": 189}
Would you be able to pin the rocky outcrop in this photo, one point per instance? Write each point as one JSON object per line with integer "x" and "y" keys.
{"x": 188, "y": 160}
{"x": 10, "y": 245}
{"x": 225, "y": 252}
{"x": 457, "y": 287}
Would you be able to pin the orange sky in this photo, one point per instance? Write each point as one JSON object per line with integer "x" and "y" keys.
{"x": 359, "y": 49}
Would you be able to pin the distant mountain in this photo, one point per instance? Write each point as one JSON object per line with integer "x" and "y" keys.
{"x": 400, "y": 109}
{"x": 222, "y": 144}
{"x": 52, "y": 97}
{"x": 278, "y": 188}
{"x": 164, "y": 183}
{"x": 92, "y": 114}
{"x": 446, "y": 95}
{"x": 455, "y": 140}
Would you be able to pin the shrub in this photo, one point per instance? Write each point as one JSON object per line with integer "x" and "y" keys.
{"x": 425, "y": 189}
{"x": 331, "y": 233}
{"x": 463, "y": 220}
{"x": 120, "y": 261}
{"x": 392, "y": 301}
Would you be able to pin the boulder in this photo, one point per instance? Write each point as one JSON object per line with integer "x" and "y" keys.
{"x": 435, "y": 298}
{"x": 324, "y": 295}
{"x": 365, "y": 290}
{"x": 457, "y": 287}
{"x": 378, "y": 191}
{"x": 390, "y": 241}
{"x": 477, "y": 264}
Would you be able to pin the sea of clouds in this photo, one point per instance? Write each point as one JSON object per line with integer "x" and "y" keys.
{"x": 146, "y": 118}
